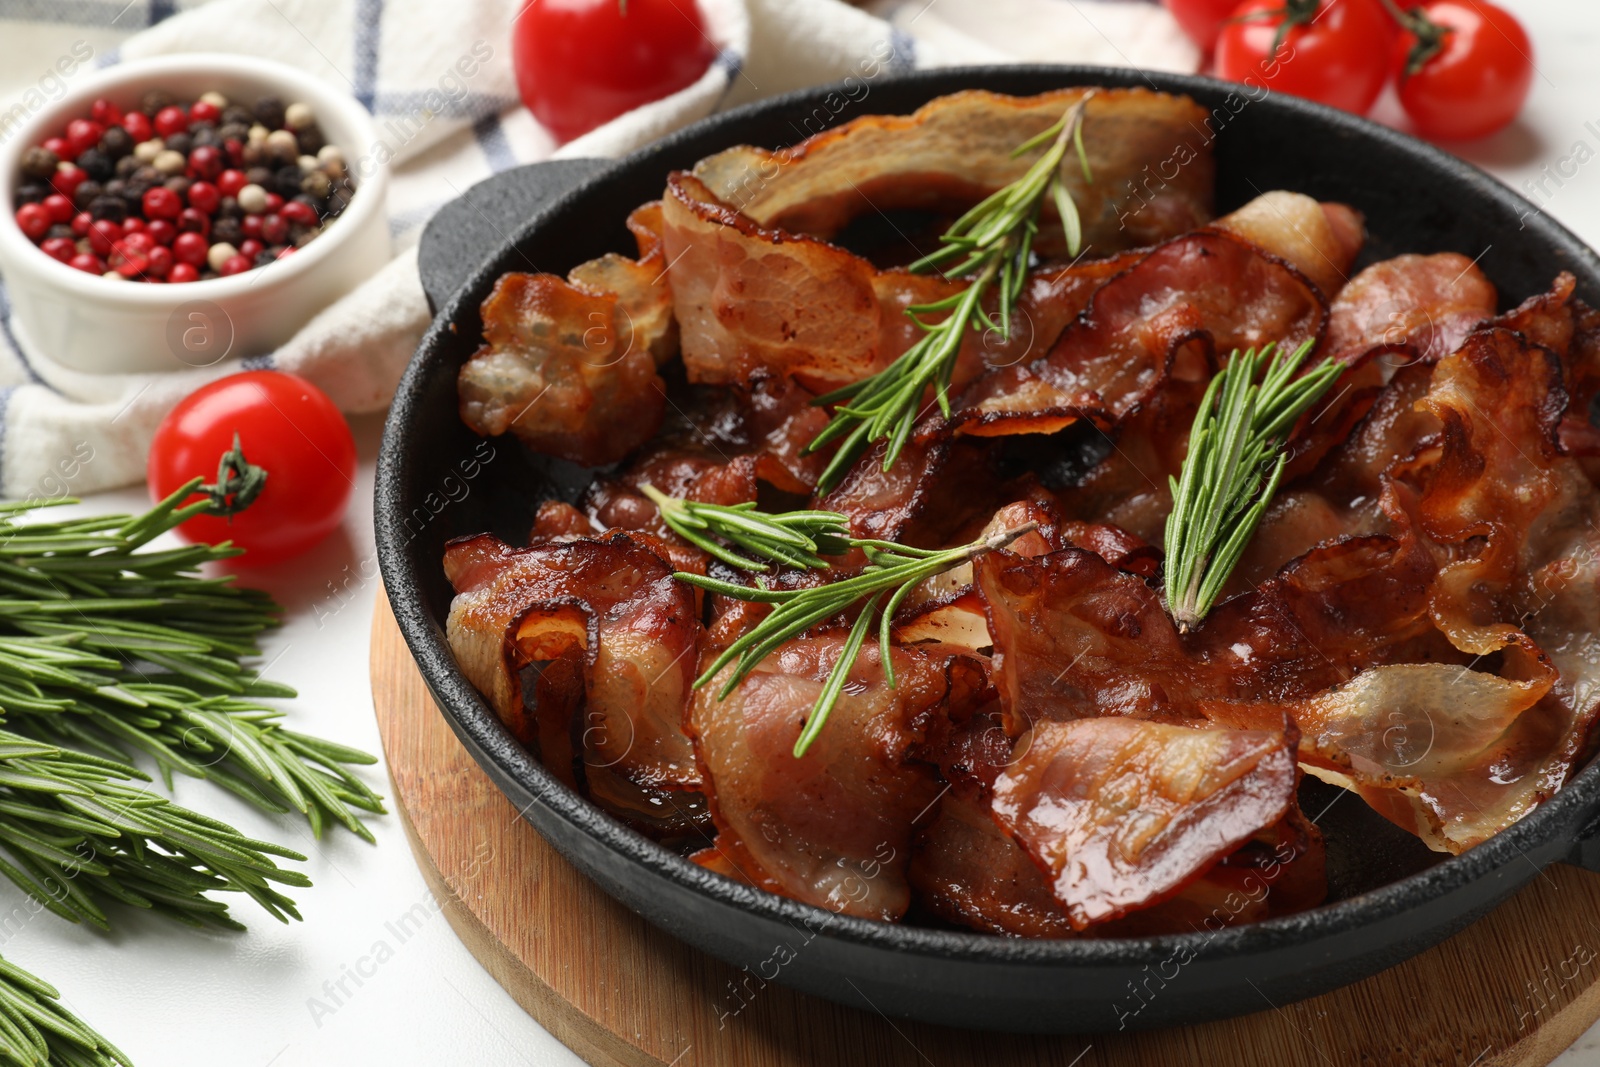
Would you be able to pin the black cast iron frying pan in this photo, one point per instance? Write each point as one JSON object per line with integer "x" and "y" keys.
{"x": 1390, "y": 897}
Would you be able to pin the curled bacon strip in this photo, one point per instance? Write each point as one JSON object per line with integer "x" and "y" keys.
{"x": 1166, "y": 316}
{"x": 570, "y": 366}
{"x": 611, "y": 614}
{"x": 832, "y": 828}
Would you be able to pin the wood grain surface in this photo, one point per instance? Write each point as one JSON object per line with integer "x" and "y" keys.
{"x": 1514, "y": 990}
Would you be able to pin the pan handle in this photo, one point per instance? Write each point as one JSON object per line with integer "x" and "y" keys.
{"x": 463, "y": 233}
{"x": 1586, "y": 847}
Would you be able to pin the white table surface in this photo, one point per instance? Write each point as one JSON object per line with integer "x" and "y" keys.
{"x": 175, "y": 998}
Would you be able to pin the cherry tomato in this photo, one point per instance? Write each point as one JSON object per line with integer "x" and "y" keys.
{"x": 1201, "y": 19}
{"x": 288, "y": 427}
{"x": 1334, "y": 52}
{"x": 581, "y": 63}
{"x": 1464, "y": 70}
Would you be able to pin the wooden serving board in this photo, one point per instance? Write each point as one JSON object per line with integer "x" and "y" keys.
{"x": 1513, "y": 990}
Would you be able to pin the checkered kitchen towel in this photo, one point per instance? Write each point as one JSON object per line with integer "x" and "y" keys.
{"x": 446, "y": 130}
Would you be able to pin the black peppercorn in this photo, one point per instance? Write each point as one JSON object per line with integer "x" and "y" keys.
{"x": 96, "y": 164}
{"x": 227, "y": 230}
{"x": 228, "y": 208}
{"x": 266, "y": 256}
{"x": 116, "y": 142}
{"x": 311, "y": 139}
{"x": 258, "y": 176}
{"x": 110, "y": 208}
{"x": 269, "y": 112}
{"x": 39, "y": 164}
{"x": 114, "y": 187}
{"x": 235, "y": 131}
{"x": 180, "y": 185}
{"x": 286, "y": 181}
{"x": 205, "y": 135}
{"x": 154, "y": 101}
{"x": 180, "y": 143}
{"x": 238, "y": 115}
{"x": 133, "y": 195}
{"x": 31, "y": 193}
{"x": 128, "y": 166}
{"x": 149, "y": 175}
{"x": 85, "y": 194}
{"x": 60, "y": 229}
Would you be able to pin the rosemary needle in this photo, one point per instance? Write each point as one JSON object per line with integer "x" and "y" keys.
{"x": 792, "y": 538}
{"x": 892, "y": 569}
{"x": 36, "y": 1028}
{"x": 993, "y": 242}
{"x": 1235, "y": 462}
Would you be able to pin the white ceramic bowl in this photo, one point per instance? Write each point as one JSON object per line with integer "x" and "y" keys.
{"x": 98, "y": 325}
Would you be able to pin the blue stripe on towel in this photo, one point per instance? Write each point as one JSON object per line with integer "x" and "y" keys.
{"x": 904, "y": 56}
{"x": 160, "y": 10}
{"x": 265, "y": 362}
{"x": 408, "y": 102}
{"x": 369, "y": 28}
{"x": 11, "y": 338}
{"x": 5, "y": 411}
{"x": 492, "y": 139}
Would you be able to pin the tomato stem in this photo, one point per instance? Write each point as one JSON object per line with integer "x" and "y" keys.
{"x": 1430, "y": 35}
{"x": 238, "y": 483}
{"x": 1293, "y": 12}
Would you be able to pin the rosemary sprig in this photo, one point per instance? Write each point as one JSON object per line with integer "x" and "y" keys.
{"x": 993, "y": 242}
{"x": 1236, "y": 459}
{"x": 36, "y": 1028}
{"x": 77, "y": 830}
{"x": 118, "y": 651}
{"x": 891, "y": 569}
{"x": 794, "y": 538}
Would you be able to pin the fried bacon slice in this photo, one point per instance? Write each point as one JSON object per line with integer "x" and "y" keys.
{"x": 611, "y": 615}
{"x": 955, "y": 150}
{"x": 1424, "y": 304}
{"x": 967, "y": 870}
{"x": 1319, "y": 240}
{"x": 1167, "y": 316}
{"x": 1120, "y": 813}
{"x": 834, "y": 827}
{"x": 569, "y": 366}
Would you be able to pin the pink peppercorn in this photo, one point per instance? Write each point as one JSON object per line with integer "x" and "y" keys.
{"x": 59, "y": 208}
{"x": 234, "y": 265}
{"x": 62, "y": 248}
{"x": 86, "y": 261}
{"x": 206, "y": 161}
{"x": 58, "y": 145}
{"x": 138, "y": 126}
{"x": 235, "y": 149}
{"x": 171, "y": 120}
{"x": 190, "y": 248}
{"x": 250, "y": 248}
{"x": 80, "y": 223}
{"x": 82, "y": 135}
{"x": 105, "y": 112}
{"x": 162, "y": 203}
{"x": 183, "y": 272}
{"x": 229, "y": 182}
{"x": 192, "y": 221}
{"x": 34, "y": 220}
{"x": 301, "y": 212}
{"x": 203, "y": 196}
{"x": 102, "y": 235}
{"x": 204, "y": 111}
{"x": 162, "y": 231}
{"x": 250, "y": 225}
{"x": 160, "y": 261}
{"x": 133, "y": 224}
{"x": 274, "y": 229}
{"x": 67, "y": 178}
{"x": 274, "y": 202}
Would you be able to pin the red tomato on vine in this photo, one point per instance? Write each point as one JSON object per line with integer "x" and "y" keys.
{"x": 581, "y": 63}
{"x": 265, "y": 422}
{"x": 1462, "y": 68}
{"x": 1333, "y": 51}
